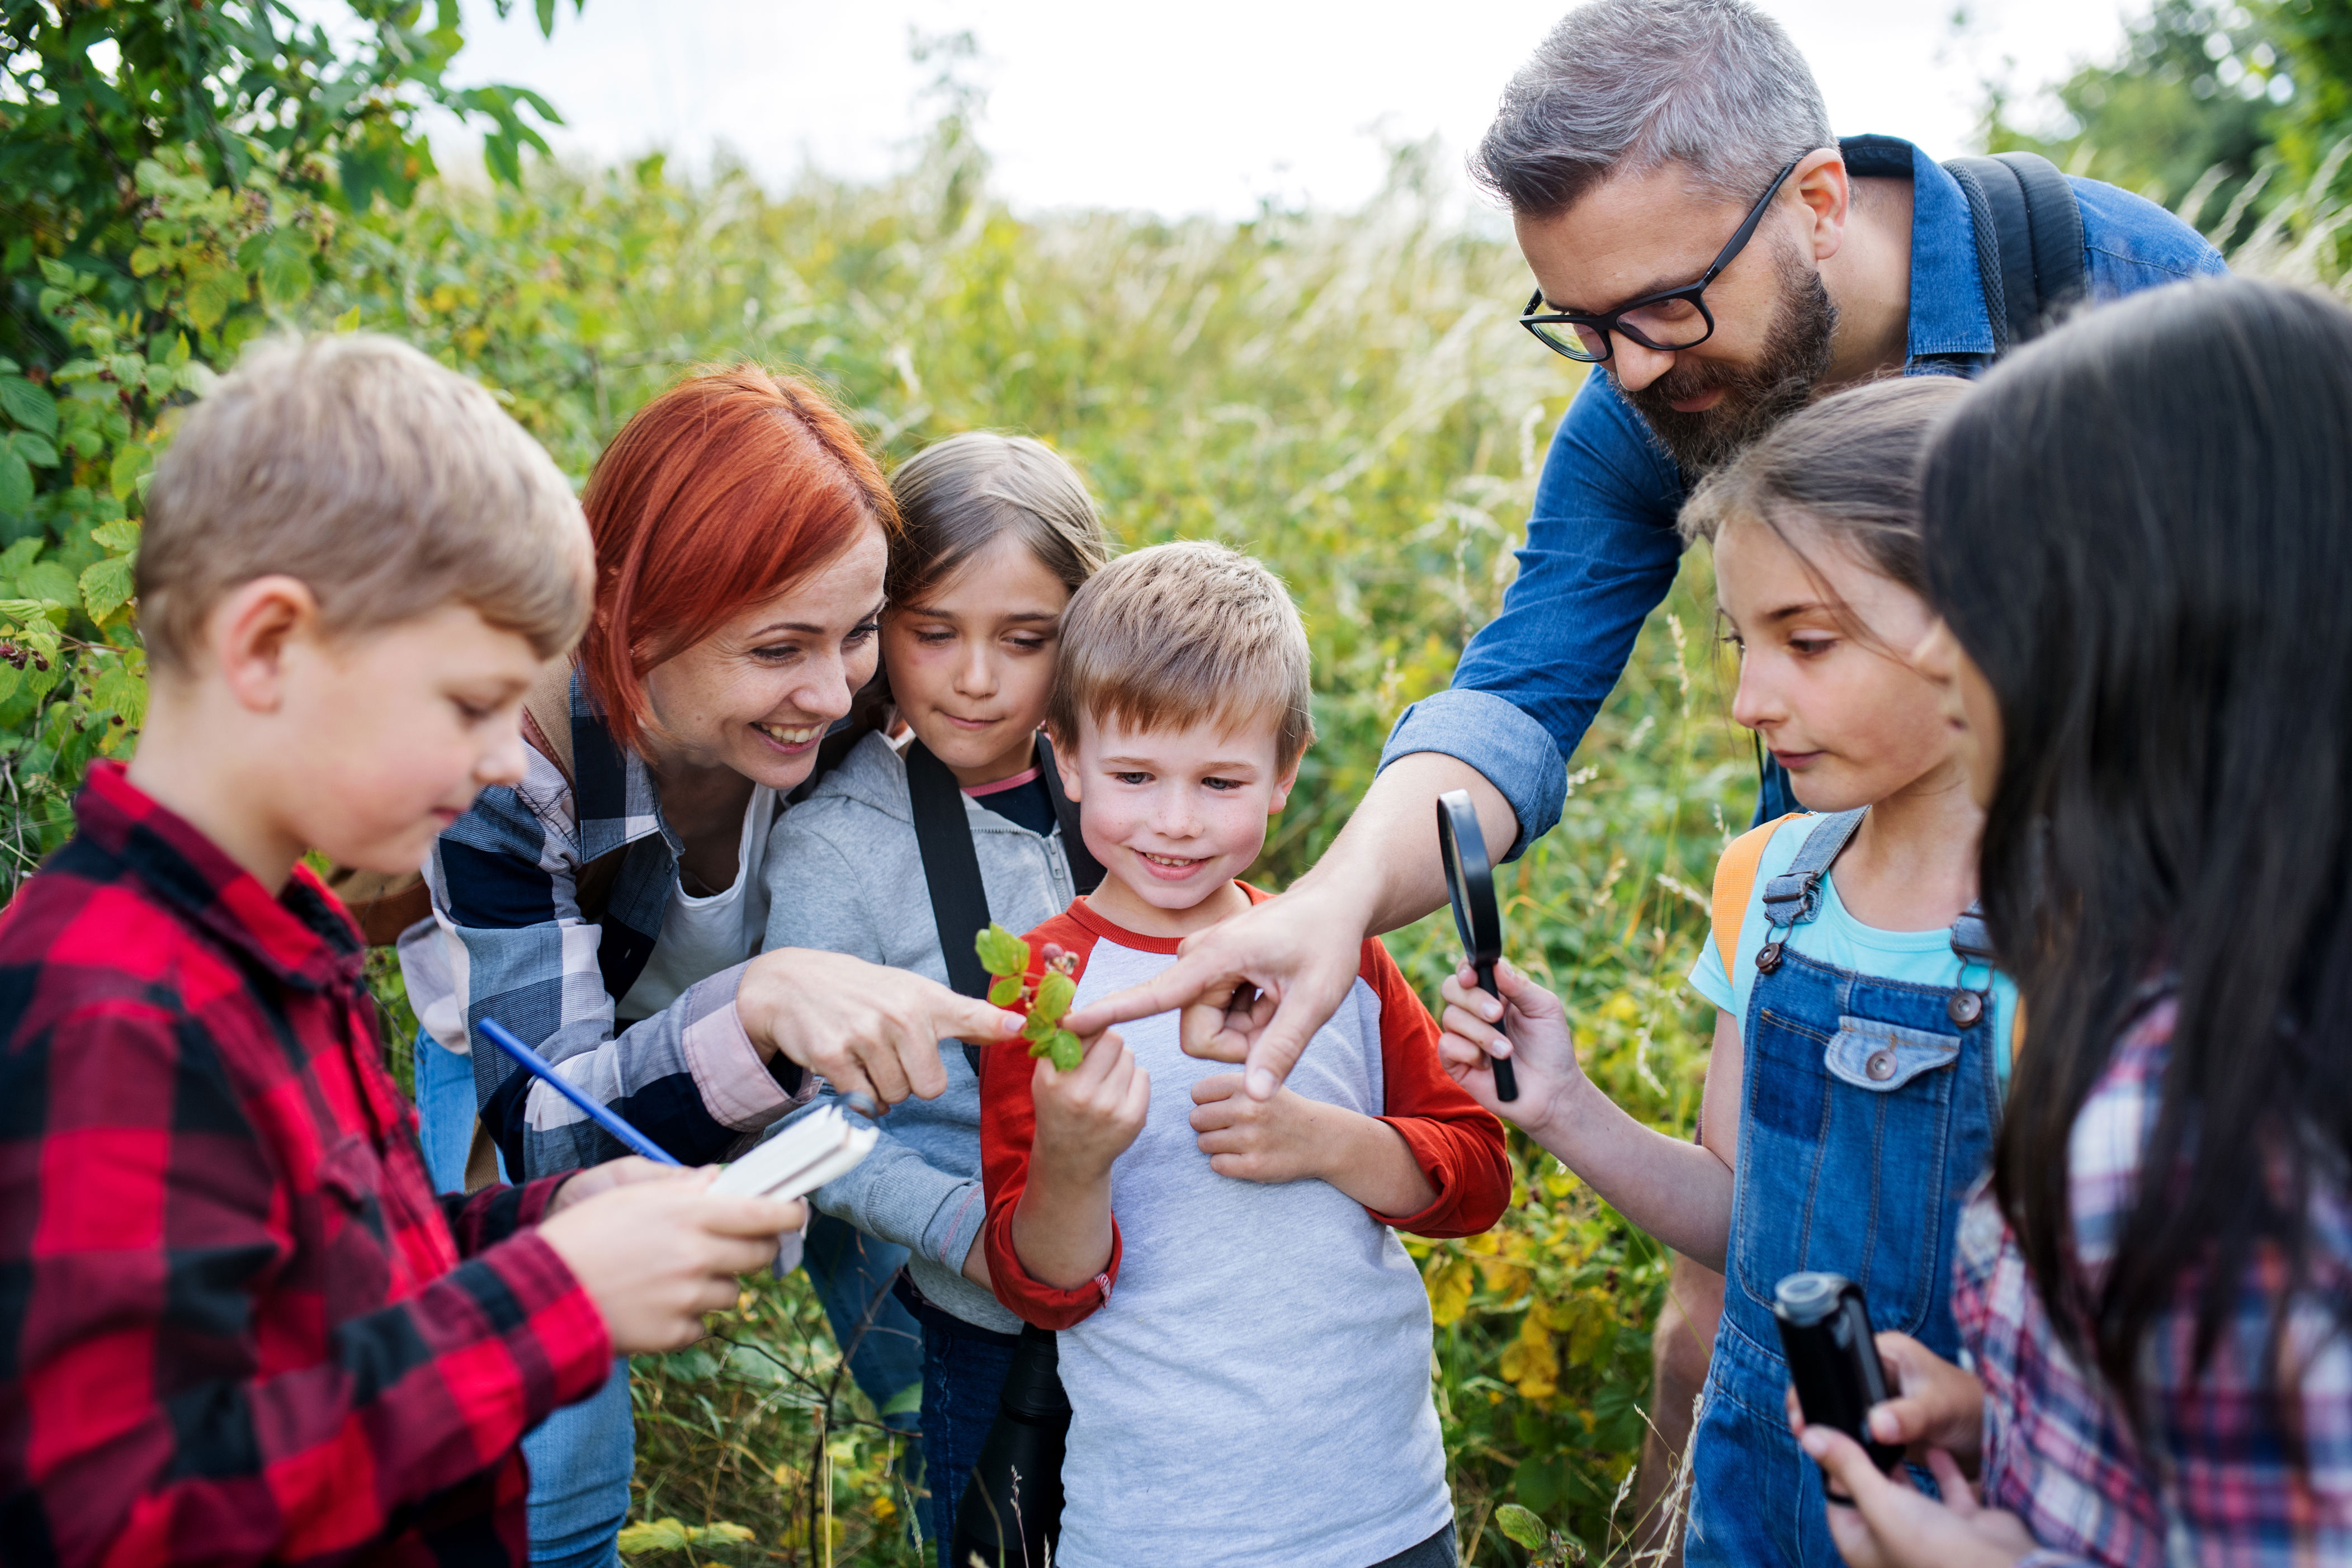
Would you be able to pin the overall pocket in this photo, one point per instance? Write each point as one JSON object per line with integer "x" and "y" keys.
{"x": 1843, "y": 1147}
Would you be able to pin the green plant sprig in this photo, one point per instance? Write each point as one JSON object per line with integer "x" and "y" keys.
{"x": 1006, "y": 957}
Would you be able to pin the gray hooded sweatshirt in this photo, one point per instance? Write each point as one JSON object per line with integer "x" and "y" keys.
{"x": 845, "y": 875}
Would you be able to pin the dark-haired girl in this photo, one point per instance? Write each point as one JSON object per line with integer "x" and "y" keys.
{"x": 2141, "y": 536}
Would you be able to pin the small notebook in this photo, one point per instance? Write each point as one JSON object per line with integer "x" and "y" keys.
{"x": 803, "y": 1157}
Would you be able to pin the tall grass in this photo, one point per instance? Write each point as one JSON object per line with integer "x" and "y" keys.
{"x": 1345, "y": 396}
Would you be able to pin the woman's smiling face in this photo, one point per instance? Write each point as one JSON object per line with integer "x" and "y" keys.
{"x": 757, "y": 695}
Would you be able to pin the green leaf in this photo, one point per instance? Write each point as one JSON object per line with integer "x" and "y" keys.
{"x": 123, "y": 693}
{"x": 59, "y": 274}
{"x": 671, "y": 1535}
{"x": 547, "y": 18}
{"x": 34, "y": 450}
{"x": 106, "y": 587}
{"x": 1055, "y": 992}
{"x": 15, "y": 482}
{"x": 212, "y": 291}
{"x": 27, "y": 405}
{"x": 907, "y": 1401}
{"x": 1004, "y": 991}
{"x": 121, "y": 536}
{"x": 145, "y": 261}
{"x": 1035, "y": 1030}
{"x": 1065, "y": 1050}
{"x": 15, "y": 559}
{"x": 47, "y": 581}
{"x": 1001, "y": 952}
{"x": 286, "y": 276}
{"x": 1523, "y": 1527}
{"x": 130, "y": 461}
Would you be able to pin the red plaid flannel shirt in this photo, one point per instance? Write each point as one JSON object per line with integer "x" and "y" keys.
{"x": 234, "y": 1321}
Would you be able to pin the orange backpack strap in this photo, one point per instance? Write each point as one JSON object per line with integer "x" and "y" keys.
{"x": 1735, "y": 879}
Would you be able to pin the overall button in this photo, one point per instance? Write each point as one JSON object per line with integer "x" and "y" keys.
{"x": 1880, "y": 1065}
{"x": 1965, "y": 1007}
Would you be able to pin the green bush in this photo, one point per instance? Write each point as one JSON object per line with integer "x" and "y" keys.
{"x": 1347, "y": 396}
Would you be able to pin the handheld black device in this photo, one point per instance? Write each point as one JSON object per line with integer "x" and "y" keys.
{"x": 1470, "y": 882}
{"x": 1832, "y": 1358}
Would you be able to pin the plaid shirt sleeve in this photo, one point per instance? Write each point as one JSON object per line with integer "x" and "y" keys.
{"x": 2212, "y": 1476}
{"x": 504, "y": 882}
{"x": 160, "y": 1405}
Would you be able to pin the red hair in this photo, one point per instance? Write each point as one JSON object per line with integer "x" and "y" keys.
{"x": 723, "y": 492}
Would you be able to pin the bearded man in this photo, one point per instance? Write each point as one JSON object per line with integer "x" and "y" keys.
{"x": 1698, "y": 234}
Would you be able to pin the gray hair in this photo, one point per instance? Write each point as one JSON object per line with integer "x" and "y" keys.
{"x": 1626, "y": 86}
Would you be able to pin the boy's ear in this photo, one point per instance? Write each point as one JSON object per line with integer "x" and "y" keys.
{"x": 1065, "y": 763}
{"x": 1282, "y": 788}
{"x": 250, "y": 631}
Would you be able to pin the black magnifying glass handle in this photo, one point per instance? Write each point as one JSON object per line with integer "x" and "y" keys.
{"x": 1477, "y": 917}
{"x": 1506, "y": 1082}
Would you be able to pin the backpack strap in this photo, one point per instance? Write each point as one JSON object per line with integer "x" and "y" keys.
{"x": 1086, "y": 871}
{"x": 546, "y": 719}
{"x": 950, "y": 869}
{"x": 2029, "y": 235}
{"x": 1735, "y": 879}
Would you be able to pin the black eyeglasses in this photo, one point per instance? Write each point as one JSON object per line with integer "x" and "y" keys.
{"x": 1672, "y": 319}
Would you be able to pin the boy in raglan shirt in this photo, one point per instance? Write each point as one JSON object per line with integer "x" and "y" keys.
{"x": 1243, "y": 1341}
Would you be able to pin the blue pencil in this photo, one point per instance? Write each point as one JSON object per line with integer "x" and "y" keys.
{"x": 600, "y": 1115}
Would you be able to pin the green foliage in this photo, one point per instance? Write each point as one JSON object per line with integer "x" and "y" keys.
{"x": 1346, "y": 395}
{"x": 2229, "y": 113}
{"x": 1001, "y": 953}
{"x": 162, "y": 208}
{"x": 755, "y": 1446}
{"x": 1046, "y": 1000}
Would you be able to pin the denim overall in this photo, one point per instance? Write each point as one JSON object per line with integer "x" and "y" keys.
{"x": 1867, "y": 1114}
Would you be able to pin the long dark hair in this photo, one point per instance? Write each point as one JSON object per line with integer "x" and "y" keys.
{"x": 2141, "y": 530}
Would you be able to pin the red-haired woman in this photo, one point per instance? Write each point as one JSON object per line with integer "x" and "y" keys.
{"x": 607, "y": 909}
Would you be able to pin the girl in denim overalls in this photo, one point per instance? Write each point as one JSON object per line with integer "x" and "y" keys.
{"x": 1861, "y": 1036}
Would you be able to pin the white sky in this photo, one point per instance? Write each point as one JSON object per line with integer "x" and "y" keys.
{"x": 1203, "y": 107}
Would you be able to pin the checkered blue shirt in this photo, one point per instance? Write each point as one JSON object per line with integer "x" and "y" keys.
{"x": 511, "y": 941}
{"x": 2209, "y": 1480}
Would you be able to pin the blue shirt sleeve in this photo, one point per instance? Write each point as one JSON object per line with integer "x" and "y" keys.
{"x": 1600, "y": 554}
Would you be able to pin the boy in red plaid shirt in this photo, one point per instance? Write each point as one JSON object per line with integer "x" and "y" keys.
{"x": 235, "y": 1325}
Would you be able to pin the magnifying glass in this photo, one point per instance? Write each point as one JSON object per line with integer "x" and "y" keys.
{"x": 1470, "y": 882}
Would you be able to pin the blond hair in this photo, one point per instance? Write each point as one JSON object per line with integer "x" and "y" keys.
{"x": 1181, "y": 633}
{"x": 388, "y": 485}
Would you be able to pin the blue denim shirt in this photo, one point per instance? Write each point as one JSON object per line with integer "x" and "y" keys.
{"x": 1602, "y": 549}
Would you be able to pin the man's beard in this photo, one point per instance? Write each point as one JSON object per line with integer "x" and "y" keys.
{"x": 1756, "y": 397}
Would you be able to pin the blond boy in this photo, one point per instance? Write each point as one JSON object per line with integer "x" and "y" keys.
{"x": 1245, "y": 1343}
{"x": 239, "y": 1325}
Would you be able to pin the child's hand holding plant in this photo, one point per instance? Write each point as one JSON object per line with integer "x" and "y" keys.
{"x": 1091, "y": 1099}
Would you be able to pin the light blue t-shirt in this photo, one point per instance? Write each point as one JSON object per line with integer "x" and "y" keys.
{"x": 1835, "y": 938}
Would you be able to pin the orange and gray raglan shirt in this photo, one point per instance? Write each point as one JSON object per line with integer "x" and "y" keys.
{"x": 1249, "y": 1376}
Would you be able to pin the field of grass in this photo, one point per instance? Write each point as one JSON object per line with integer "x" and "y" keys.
{"x": 1347, "y": 396}
{"x": 1344, "y": 394}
